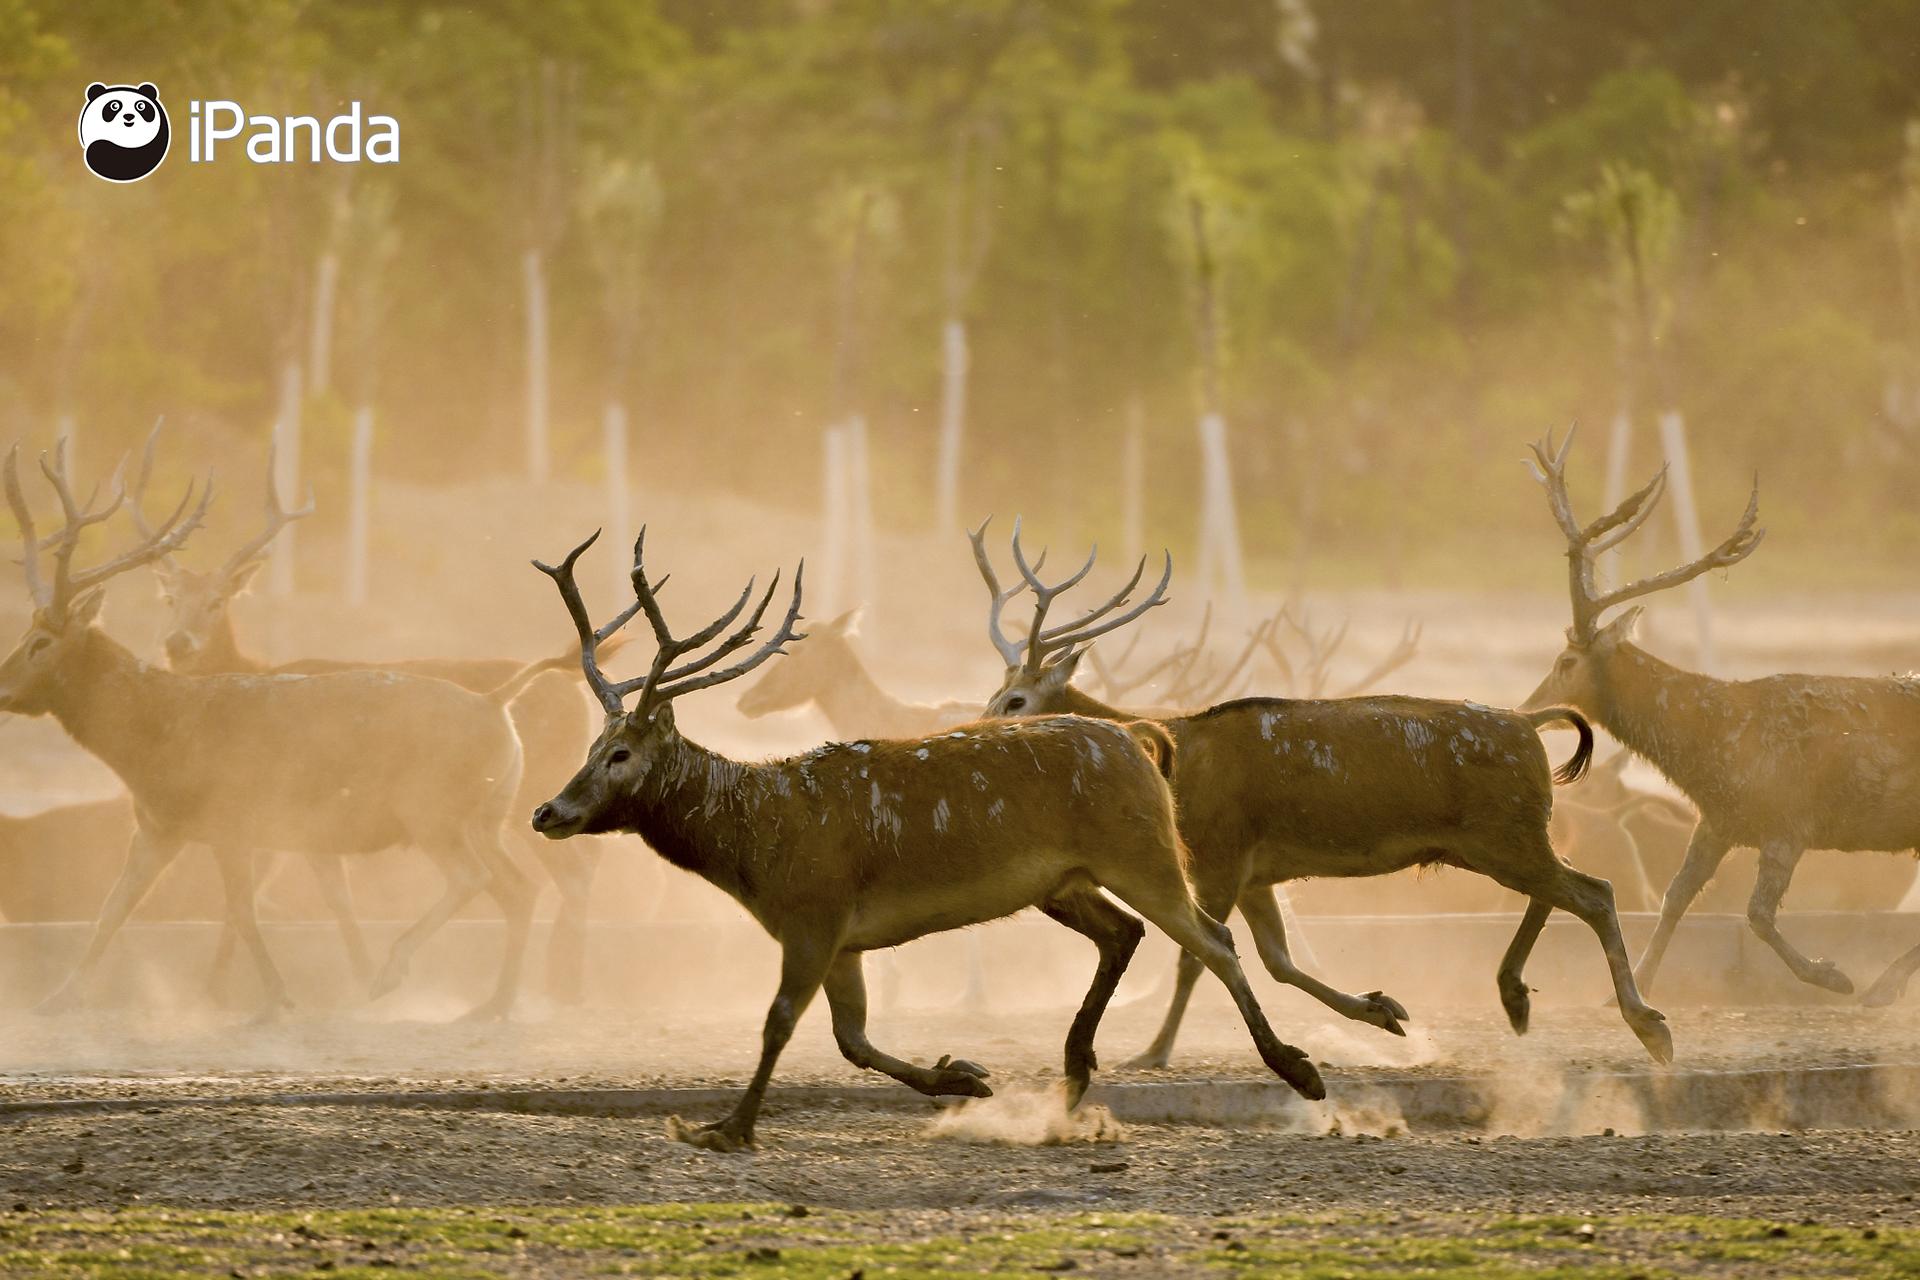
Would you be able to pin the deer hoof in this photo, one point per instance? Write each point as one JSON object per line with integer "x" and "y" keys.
{"x": 719, "y": 1136}
{"x": 950, "y": 1063}
{"x": 1151, "y": 1060}
{"x": 1826, "y": 975}
{"x": 1651, "y": 1027}
{"x": 391, "y": 975}
{"x": 1383, "y": 1011}
{"x": 1517, "y": 1000}
{"x": 1298, "y": 1070}
{"x": 1883, "y": 993}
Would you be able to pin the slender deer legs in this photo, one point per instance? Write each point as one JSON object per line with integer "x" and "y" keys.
{"x": 1216, "y": 901}
{"x": 1777, "y": 861}
{"x": 147, "y": 856}
{"x": 1705, "y": 852}
{"x": 804, "y": 964}
{"x": 1261, "y": 910}
{"x": 846, "y": 986}
{"x": 464, "y": 876}
{"x": 514, "y": 895}
{"x": 571, "y": 868}
{"x": 1893, "y": 983}
{"x": 330, "y": 874}
{"x": 243, "y": 923}
{"x": 1515, "y": 996}
{"x": 1117, "y": 935}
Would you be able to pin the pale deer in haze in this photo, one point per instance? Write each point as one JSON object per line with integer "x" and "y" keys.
{"x": 550, "y": 719}
{"x": 1781, "y": 764}
{"x": 318, "y": 765}
{"x": 828, "y": 672}
{"x": 859, "y": 846}
{"x": 1276, "y": 789}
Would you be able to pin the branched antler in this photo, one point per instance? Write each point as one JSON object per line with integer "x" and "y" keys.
{"x": 53, "y": 598}
{"x": 664, "y": 681}
{"x": 1585, "y": 546}
{"x": 1044, "y": 641}
{"x": 1010, "y": 650}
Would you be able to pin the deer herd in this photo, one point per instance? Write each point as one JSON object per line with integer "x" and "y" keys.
{"x": 1098, "y": 810}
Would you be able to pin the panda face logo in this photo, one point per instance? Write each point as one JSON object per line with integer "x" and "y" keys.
{"x": 123, "y": 129}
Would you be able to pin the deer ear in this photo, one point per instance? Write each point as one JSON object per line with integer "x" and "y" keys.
{"x": 662, "y": 716}
{"x": 85, "y": 609}
{"x": 848, "y": 623}
{"x": 1622, "y": 627}
{"x": 1060, "y": 674}
{"x": 243, "y": 576}
{"x": 163, "y": 573}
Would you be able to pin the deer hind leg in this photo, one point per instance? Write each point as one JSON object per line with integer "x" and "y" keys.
{"x": 1156, "y": 887}
{"x": 571, "y": 865}
{"x": 464, "y": 876}
{"x": 508, "y": 887}
{"x": 846, "y": 985}
{"x": 1216, "y": 901}
{"x": 330, "y": 874}
{"x": 237, "y": 879}
{"x": 804, "y": 963}
{"x": 1892, "y": 984}
{"x": 1261, "y": 910}
{"x": 1705, "y": 852}
{"x": 1777, "y": 861}
{"x": 1515, "y": 996}
{"x": 147, "y": 856}
{"x": 1591, "y": 899}
{"x": 1117, "y": 935}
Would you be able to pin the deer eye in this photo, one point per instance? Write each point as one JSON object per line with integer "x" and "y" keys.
{"x": 619, "y": 755}
{"x": 1568, "y": 661}
{"x": 38, "y": 645}
{"x": 1016, "y": 702}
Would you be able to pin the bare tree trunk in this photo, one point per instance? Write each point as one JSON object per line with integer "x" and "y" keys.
{"x": 833, "y": 511}
{"x": 954, "y": 361}
{"x": 1686, "y": 520}
{"x": 286, "y": 475}
{"x": 619, "y": 505}
{"x": 1133, "y": 481}
{"x": 326, "y": 286}
{"x": 359, "y": 505}
{"x": 1220, "y": 561}
{"x": 533, "y": 273}
{"x": 860, "y": 510}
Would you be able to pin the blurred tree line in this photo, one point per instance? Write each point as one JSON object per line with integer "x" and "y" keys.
{"x": 750, "y": 217}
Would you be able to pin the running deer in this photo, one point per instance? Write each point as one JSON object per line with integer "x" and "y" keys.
{"x": 317, "y": 765}
{"x": 858, "y": 846}
{"x": 1781, "y": 764}
{"x": 550, "y": 720}
{"x": 1272, "y": 789}
{"x": 827, "y": 672}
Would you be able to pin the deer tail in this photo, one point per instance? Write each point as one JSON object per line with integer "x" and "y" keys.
{"x": 1576, "y": 766}
{"x": 1153, "y": 739}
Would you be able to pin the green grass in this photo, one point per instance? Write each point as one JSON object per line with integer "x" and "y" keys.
{"x": 771, "y": 1240}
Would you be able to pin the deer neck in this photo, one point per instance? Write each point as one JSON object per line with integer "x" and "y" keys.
{"x": 1078, "y": 702}
{"x": 854, "y": 701}
{"x": 697, "y": 809}
{"x": 223, "y": 653}
{"x": 119, "y": 708}
{"x": 1666, "y": 715}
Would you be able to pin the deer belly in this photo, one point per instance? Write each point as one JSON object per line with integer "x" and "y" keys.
{"x": 1275, "y": 862}
{"x": 888, "y": 915}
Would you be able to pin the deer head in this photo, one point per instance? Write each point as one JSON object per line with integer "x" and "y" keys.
{"x": 826, "y": 657}
{"x": 67, "y": 606}
{"x": 1578, "y": 674}
{"x": 1040, "y": 669}
{"x": 633, "y": 742}
{"x": 198, "y": 634}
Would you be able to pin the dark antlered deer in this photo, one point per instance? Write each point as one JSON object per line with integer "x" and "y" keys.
{"x": 318, "y": 765}
{"x": 827, "y": 672}
{"x": 1273, "y": 789}
{"x": 858, "y": 846}
{"x": 550, "y": 719}
{"x": 1781, "y": 764}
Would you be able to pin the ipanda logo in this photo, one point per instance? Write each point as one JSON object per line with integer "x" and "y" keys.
{"x": 124, "y": 133}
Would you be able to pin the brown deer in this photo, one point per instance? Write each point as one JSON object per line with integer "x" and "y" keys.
{"x": 317, "y": 765}
{"x": 859, "y": 846}
{"x": 1271, "y": 789}
{"x": 550, "y": 720}
{"x": 827, "y": 672}
{"x": 1780, "y": 764}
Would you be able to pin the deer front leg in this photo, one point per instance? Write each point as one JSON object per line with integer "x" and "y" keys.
{"x": 1893, "y": 983}
{"x": 571, "y": 866}
{"x": 514, "y": 895}
{"x": 1261, "y": 911}
{"x": 464, "y": 877}
{"x": 330, "y": 874}
{"x": 804, "y": 962}
{"x": 1705, "y": 852}
{"x": 846, "y": 986}
{"x": 147, "y": 856}
{"x": 236, "y": 878}
{"x": 1515, "y": 996}
{"x": 1777, "y": 861}
{"x": 1117, "y": 935}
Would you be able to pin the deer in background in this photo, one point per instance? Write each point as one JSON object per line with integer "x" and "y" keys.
{"x": 859, "y": 846}
{"x": 1271, "y": 789}
{"x": 550, "y": 720}
{"x": 1782, "y": 764}
{"x": 354, "y": 762}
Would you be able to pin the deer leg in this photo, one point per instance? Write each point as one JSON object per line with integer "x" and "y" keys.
{"x": 1216, "y": 901}
{"x": 1117, "y": 935}
{"x": 237, "y": 879}
{"x": 571, "y": 866}
{"x": 804, "y": 963}
{"x": 330, "y": 874}
{"x": 1777, "y": 861}
{"x": 1515, "y": 996}
{"x": 1591, "y": 899}
{"x": 1892, "y": 984}
{"x": 508, "y": 887}
{"x": 1705, "y": 852}
{"x": 147, "y": 856}
{"x": 1261, "y": 910}
{"x": 973, "y": 996}
{"x": 1158, "y": 890}
{"x": 846, "y": 986}
{"x": 465, "y": 876}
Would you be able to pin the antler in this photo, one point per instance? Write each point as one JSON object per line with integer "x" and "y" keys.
{"x": 1199, "y": 686}
{"x": 1399, "y": 656}
{"x": 664, "y": 681}
{"x": 1044, "y": 641}
{"x": 1010, "y": 650}
{"x": 1585, "y": 546}
{"x": 54, "y": 598}
{"x": 1116, "y": 684}
{"x": 277, "y": 516}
